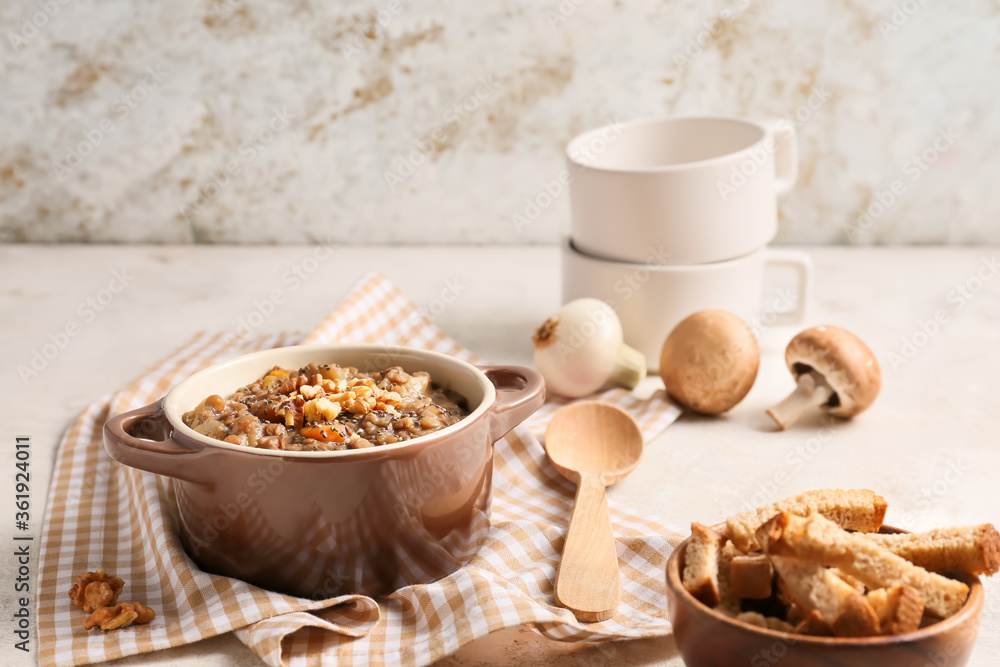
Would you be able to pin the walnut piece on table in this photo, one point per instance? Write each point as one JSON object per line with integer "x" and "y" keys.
{"x": 125, "y": 614}
{"x": 94, "y": 590}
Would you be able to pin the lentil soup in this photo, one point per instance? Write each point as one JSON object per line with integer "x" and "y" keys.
{"x": 328, "y": 407}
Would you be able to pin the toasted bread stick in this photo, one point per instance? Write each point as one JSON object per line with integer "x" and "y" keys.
{"x": 817, "y": 539}
{"x": 972, "y": 549}
{"x": 899, "y": 609}
{"x": 750, "y": 576}
{"x": 701, "y": 564}
{"x": 826, "y": 598}
{"x": 728, "y": 600}
{"x": 853, "y": 581}
{"x": 854, "y": 509}
{"x": 813, "y": 624}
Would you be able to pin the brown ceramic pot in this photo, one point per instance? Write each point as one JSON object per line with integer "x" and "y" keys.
{"x": 320, "y": 524}
{"x": 708, "y": 638}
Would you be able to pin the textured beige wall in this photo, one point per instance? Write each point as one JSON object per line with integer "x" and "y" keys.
{"x": 438, "y": 121}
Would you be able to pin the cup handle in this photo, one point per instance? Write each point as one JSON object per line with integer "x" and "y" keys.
{"x": 786, "y": 155}
{"x": 801, "y": 262}
{"x": 520, "y": 391}
{"x": 129, "y": 439}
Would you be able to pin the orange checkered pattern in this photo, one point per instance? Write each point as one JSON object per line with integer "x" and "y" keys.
{"x": 102, "y": 514}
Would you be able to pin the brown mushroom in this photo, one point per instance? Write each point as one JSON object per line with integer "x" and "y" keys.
{"x": 834, "y": 370}
{"x": 709, "y": 361}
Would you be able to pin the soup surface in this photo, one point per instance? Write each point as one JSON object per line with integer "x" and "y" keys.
{"x": 328, "y": 407}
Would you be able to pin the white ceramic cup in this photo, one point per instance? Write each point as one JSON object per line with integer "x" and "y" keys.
{"x": 651, "y": 297}
{"x": 703, "y": 187}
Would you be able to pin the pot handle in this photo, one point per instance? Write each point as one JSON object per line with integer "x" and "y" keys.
{"x": 129, "y": 439}
{"x": 520, "y": 391}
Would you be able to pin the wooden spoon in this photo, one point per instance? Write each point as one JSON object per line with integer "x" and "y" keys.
{"x": 593, "y": 444}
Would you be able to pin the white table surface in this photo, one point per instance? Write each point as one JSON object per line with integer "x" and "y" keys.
{"x": 938, "y": 411}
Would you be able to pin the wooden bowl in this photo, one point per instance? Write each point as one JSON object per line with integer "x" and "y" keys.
{"x": 709, "y": 638}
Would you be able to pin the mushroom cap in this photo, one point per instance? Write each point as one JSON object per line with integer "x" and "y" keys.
{"x": 709, "y": 361}
{"x": 844, "y": 361}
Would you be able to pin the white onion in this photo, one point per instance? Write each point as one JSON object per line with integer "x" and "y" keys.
{"x": 580, "y": 350}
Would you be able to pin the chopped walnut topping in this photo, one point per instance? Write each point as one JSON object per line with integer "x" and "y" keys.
{"x": 334, "y": 386}
{"x": 320, "y": 407}
{"x": 358, "y": 401}
{"x": 97, "y": 592}
{"x": 312, "y": 390}
{"x": 291, "y": 410}
{"x": 125, "y": 614}
{"x": 95, "y": 589}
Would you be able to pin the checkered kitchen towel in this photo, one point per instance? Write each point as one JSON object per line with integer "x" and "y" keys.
{"x": 102, "y": 514}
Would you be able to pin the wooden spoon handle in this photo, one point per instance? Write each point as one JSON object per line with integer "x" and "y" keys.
{"x": 588, "y": 583}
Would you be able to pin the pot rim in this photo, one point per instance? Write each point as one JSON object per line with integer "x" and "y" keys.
{"x": 173, "y": 412}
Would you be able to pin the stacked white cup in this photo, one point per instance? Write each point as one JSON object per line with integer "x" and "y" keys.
{"x": 673, "y": 215}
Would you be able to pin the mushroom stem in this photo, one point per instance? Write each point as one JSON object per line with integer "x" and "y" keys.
{"x": 810, "y": 392}
{"x": 630, "y": 367}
